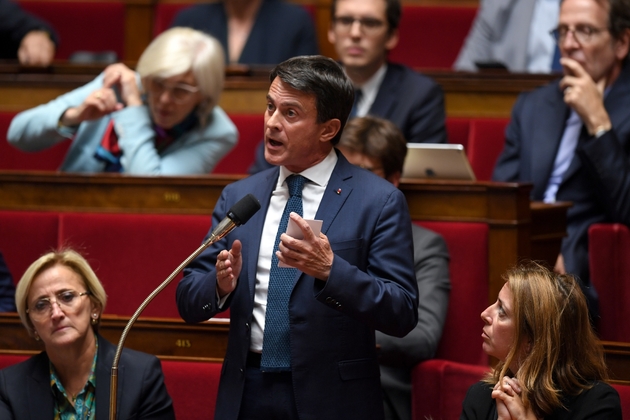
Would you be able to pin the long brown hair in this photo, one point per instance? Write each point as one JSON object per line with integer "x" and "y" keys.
{"x": 555, "y": 348}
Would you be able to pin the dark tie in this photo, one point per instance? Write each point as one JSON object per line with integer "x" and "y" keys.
{"x": 276, "y": 354}
{"x": 358, "y": 94}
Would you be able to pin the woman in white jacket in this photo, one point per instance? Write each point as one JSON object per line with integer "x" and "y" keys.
{"x": 161, "y": 120}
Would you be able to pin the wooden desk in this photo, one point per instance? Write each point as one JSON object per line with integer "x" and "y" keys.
{"x": 466, "y": 94}
{"x": 173, "y": 339}
{"x": 505, "y": 207}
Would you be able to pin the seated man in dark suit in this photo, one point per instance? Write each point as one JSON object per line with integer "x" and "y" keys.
{"x": 7, "y": 289}
{"x": 571, "y": 139}
{"x": 363, "y": 32}
{"x": 378, "y": 145}
{"x": 254, "y": 31}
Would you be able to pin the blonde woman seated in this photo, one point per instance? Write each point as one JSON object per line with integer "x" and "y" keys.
{"x": 60, "y": 301}
{"x": 551, "y": 365}
{"x": 162, "y": 120}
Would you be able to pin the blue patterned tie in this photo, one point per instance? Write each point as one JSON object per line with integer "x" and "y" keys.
{"x": 276, "y": 355}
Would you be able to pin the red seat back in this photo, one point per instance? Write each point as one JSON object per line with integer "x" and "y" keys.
{"x": 468, "y": 248}
{"x": 83, "y": 26}
{"x": 193, "y": 386}
{"x": 485, "y": 143}
{"x": 609, "y": 255}
{"x": 440, "y": 386}
{"x": 431, "y": 36}
{"x": 458, "y": 130}
{"x": 251, "y": 130}
{"x": 134, "y": 253}
{"x": 624, "y": 396}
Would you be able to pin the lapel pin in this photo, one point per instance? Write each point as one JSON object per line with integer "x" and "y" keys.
{"x": 338, "y": 191}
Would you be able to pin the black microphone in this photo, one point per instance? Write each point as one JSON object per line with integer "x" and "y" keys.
{"x": 238, "y": 215}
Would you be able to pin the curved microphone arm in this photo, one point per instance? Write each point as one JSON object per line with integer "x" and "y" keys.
{"x": 113, "y": 386}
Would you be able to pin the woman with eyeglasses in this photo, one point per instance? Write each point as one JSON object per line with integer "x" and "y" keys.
{"x": 60, "y": 301}
{"x": 162, "y": 119}
{"x": 550, "y": 364}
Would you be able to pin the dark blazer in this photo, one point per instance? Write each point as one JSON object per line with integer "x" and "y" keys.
{"x": 598, "y": 178}
{"x": 412, "y": 101}
{"x": 281, "y": 30}
{"x": 601, "y": 402}
{"x": 25, "y": 391}
{"x": 371, "y": 287}
{"x": 14, "y": 24}
{"x": 7, "y": 289}
{"x": 398, "y": 356}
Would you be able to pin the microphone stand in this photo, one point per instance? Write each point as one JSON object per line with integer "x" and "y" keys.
{"x": 113, "y": 388}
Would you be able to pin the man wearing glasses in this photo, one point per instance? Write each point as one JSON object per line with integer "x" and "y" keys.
{"x": 571, "y": 139}
{"x": 363, "y": 32}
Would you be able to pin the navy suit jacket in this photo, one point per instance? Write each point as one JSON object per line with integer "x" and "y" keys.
{"x": 412, "y": 101}
{"x": 598, "y": 178}
{"x": 281, "y": 30}
{"x": 25, "y": 391}
{"x": 371, "y": 287}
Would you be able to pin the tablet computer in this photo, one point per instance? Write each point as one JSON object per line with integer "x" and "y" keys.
{"x": 437, "y": 161}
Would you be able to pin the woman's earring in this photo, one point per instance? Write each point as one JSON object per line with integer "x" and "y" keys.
{"x": 94, "y": 319}
{"x": 36, "y": 336}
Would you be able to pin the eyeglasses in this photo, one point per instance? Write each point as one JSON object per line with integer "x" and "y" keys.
{"x": 66, "y": 300}
{"x": 180, "y": 92}
{"x": 582, "y": 33}
{"x": 367, "y": 25}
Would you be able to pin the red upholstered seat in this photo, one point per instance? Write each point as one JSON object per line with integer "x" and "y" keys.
{"x": 485, "y": 143}
{"x": 458, "y": 130}
{"x": 133, "y": 253}
{"x": 11, "y": 359}
{"x": 14, "y": 159}
{"x": 468, "y": 247}
{"x": 25, "y": 236}
{"x": 609, "y": 254}
{"x": 624, "y": 396}
{"x": 83, "y": 26}
{"x": 439, "y": 388}
{"x": 193, "y": 386}
{"x": 250, "y": 132}
{"x": 431, "y": 36}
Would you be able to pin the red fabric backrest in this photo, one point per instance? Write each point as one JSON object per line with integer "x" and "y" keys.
{"x": 609, "y": 254}
{"x": 11, "y": 359}
{"x": 487, "y": 137}
{"x": 624, "y": 396}
{"x": 25, "y": 236}
{"x": 166, "y": 12}
{"x": 431, "y": 36}
{"x": 83, "y": 26}
{"x": 134, "y": 253}
{"x": 439, "y": 388}
{"x": 458, "y": 130}
{"x": 250, "y": 132}
{"x": 468, "y": 247}
{"x": 193, "y": 386}
{"x": 14, "y": 159}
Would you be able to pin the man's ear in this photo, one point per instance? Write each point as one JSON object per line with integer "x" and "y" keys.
{"x": 330, "y": 129}
{"x": 395, "y": 178}
{"x": 392, "y": 40}
{"x": 622, "y": 45}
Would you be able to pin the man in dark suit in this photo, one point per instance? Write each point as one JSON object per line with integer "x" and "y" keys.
{"x": 363, "y": 32}
{"x": 378, "y": 145}
{"x": 571, "y": 139}
{"x": 25, "y": 37}
{"x": 353, "y": 278}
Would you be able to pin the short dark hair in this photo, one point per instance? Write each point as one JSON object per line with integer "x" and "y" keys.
{"x": 323, "y": 77}
{"x": 393, "y": 11}
{"x": 377, "y": 138}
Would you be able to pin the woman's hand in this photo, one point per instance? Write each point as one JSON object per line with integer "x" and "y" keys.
{"x": 510, "y": 406}
{"x": 120, "y": 76}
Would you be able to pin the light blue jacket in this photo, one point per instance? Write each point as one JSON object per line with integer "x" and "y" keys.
{"x": 195, "y": 152}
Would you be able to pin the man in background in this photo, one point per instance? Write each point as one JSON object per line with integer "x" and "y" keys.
{"x": 377, "y": 145}
{"x": 25, "y": 37}
{"x": 571, "y": 138}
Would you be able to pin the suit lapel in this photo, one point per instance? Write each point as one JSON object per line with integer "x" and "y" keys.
{"x": 336, "y": 194}
{"x": 385, "y": 100}
{"x": 106, "y": 352}
{"x": 546, "y": 140}
{"x": 40, "y": 396}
